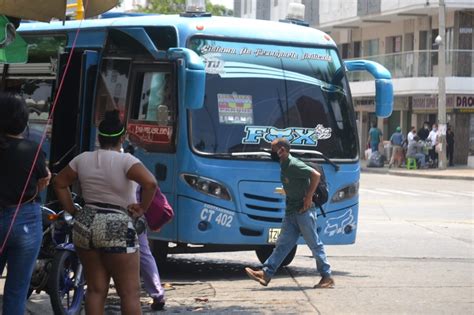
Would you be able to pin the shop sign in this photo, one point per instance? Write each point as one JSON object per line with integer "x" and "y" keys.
{"x": 464, "y": 103}
{"x": 364, "y": 104}
{"x": 368, "y": 104}
{"x": 400, "y": 103}
{"x": 430, "y": 103}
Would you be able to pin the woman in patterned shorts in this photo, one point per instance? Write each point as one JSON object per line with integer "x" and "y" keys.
{"x": 103, "y": 233}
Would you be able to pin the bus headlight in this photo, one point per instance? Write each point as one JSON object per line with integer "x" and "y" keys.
{"x": 207, "y": 186}
{"x": 346, "y": 192}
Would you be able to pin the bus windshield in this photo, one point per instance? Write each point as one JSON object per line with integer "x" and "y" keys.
{"x": 256, "y": 92}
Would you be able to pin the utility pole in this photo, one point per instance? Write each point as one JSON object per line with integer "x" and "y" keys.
{"x": 441, "y": 41}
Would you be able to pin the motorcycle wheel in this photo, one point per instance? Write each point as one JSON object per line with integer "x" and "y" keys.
{"x": 66, "y": 298}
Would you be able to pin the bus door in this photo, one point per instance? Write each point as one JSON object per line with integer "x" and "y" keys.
{"x": 71, "y": 127}
{"x": 151, "y": 126}
{"x": 85, "y": 138}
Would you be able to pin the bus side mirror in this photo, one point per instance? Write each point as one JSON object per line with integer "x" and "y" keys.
{"x": 191, "y": 77}
{"x": 383, "y": 97}
{"x": 383, "y": 84}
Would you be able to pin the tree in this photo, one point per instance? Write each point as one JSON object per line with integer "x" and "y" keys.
{"x": 179, "y": 6}
{"x": 217, "y": 9}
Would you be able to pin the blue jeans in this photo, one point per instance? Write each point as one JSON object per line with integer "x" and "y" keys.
{"x": 374, "y": 146}
{"x": 292, "y": 226}
{"x": 420, "y": 157}
{"x": 20, "y": 253}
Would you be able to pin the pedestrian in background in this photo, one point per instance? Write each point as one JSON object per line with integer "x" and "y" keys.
{"x": 424, "y": 131}
{"x": 375, "y": 136}
{"x": 450, "y": 146}
{"x": 150, "y": 275}
{"x": 396, "y": 141}
{"x": 415, "y": 151}
{"x": 433, "y": 138}
{"x": 148, "y": 267}
{"x": 104, "y": 234}
{"x": 411, "y": 134}
{"x": 299, "y": 183}
{"x": 20, "y": 248}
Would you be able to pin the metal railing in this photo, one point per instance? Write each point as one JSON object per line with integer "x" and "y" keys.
{"x": 420, "y": 63}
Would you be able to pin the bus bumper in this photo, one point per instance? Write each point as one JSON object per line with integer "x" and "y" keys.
{"x": 202, "y": 223}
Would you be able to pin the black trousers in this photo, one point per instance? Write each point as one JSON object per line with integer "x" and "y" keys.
{"x": 450, "y": 153}
{"x": 433, "y": 154}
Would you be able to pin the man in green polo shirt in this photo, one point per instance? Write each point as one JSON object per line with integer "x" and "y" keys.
{"x": 299, "y": 183}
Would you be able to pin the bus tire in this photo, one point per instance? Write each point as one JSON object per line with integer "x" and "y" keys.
{"x": 265, "y": 251}
{"x": 160, "y": 251}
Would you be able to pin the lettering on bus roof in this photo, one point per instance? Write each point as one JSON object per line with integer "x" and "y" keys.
{"x": 277, "y": 54}
{"x": 314, "y": 56}
{"x": 218, "y": 49}
{"x": 214, "y": 51}
{"x": 214, "y": 63}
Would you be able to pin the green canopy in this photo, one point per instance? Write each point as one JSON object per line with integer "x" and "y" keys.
{"x": 13, "y": 49}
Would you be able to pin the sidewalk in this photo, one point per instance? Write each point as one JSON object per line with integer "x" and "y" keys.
{"x": 452, "y": 172}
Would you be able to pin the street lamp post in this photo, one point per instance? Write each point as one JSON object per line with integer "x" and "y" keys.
{"x": 441, "y": 41}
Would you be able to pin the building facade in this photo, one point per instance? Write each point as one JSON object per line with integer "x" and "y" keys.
{"x": 400, "y": 34}
{"x": 274, "y": 10}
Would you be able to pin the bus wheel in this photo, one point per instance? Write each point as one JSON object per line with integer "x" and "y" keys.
{"x": 160, "y": 252}
{"x": 265, "y": 251}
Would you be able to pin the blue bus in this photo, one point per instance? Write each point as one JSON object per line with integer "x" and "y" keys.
{"x": 202, "y": 98}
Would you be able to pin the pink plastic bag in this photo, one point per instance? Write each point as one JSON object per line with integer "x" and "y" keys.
{"x": 160, "y": 212}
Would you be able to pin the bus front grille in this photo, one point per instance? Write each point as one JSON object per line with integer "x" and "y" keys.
{"x": 260, "y": 202}
{"x": 265, "y": 219}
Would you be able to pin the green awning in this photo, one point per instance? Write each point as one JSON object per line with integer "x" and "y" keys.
{"x": 13, "y": 49}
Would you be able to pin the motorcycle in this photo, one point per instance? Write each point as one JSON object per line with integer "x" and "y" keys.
{"x": 58, "y": 270}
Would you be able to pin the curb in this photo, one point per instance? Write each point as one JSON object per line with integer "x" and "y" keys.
{"x": 376, "y": 170}
{"x": 401, "y": 173}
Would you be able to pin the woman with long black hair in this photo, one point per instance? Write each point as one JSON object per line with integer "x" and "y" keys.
{"x": 20, "y": 236}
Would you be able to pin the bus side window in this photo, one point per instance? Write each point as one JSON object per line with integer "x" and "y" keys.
{"x": 155, "y": 99}
{"x": 152, "y": 110}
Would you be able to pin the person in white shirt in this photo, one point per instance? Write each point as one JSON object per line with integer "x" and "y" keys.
{"x": 104, "y": 234}
{"x": 411, "y": 134}
{"x": 433, "y": 138}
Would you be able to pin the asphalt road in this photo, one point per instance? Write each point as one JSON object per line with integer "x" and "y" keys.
{"x": 413, "y": 254}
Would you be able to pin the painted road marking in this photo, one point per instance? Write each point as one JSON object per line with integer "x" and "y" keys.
{"x": 399, "y": 192}
{"x": 373, "y": 191}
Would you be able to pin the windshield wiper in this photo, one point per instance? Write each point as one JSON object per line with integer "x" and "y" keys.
{"x": 218, "y": 154}
{"x": 254, "y": 153}
{"x": 236, "y": 154}
{"x": 336, "y": 167}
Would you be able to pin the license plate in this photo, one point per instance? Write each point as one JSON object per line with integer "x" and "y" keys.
{"x": 273, "y": 235}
